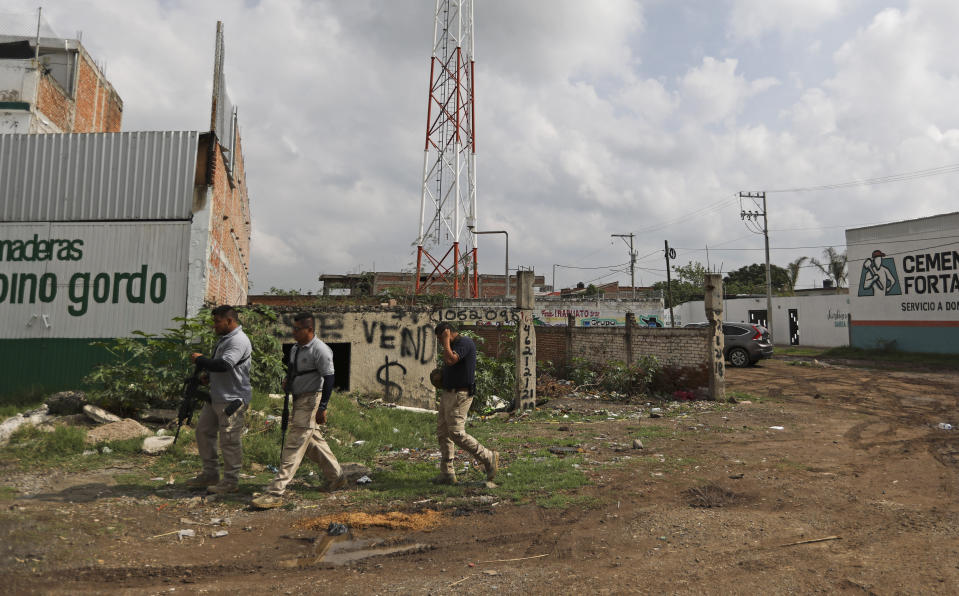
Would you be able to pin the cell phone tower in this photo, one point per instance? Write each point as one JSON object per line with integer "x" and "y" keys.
{"x": 446, "y": 246}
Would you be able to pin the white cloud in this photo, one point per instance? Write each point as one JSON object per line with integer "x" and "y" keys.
{"x": 753, "y": 19}
{"x": 580, "y": 133}
{"x": 714, "y": 91}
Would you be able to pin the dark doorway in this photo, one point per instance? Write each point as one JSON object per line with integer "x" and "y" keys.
{"x": 758, "y": 317}
{"x": 794, "y": 326}
{"x": 341, "y": 363}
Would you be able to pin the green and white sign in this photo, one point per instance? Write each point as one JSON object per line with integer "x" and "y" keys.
{"x": 95, "y": 279}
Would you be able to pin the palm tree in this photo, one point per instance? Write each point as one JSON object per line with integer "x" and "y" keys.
{"x": 792, "y": 273}
{"x": 833, "y": 265}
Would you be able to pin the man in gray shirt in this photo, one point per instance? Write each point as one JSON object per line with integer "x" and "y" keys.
{"x": 310, "y": 380}
{"x": 224, "y": 415}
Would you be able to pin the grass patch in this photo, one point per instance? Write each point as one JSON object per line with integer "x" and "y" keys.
{"x": 946, "y": 361}
{"x": 800, "y": 351}
{"x": 22, "y": 400}
{"x": 785, "y": 465}
{"x": 31, "y": 446}
{"x": 355, "y": 433}
{"x": 8, "y": 493}
{"x": 536, "y": 478}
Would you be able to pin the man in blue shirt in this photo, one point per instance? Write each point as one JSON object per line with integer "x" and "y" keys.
{"x": 459, "y": 385}
{"x": 224, "y": 414}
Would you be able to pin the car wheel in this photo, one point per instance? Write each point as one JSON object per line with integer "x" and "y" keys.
{"x": 738, "y": 357}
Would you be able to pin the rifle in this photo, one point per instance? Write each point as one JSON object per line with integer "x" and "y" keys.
{"x": 191, "y": 395}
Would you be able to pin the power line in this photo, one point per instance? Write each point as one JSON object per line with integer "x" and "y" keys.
{"x": 603, "y": 267}
{"x": 938, "y": 171}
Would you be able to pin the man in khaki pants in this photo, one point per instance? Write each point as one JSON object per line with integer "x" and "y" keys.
{"x": 459, "y": 385}
{"x": 224, "y": 415}
{"x": 311, "y": 375}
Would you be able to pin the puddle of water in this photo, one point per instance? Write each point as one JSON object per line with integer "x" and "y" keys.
{"x": 340, "y": 550}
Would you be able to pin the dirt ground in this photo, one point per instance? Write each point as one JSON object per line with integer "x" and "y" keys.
{"x": 855, "y": 494}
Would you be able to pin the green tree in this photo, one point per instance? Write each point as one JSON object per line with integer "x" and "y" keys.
{"x": 792, "y": 270}
{"x": 275, "y": 291}
{"x": 833, "y": 265}
{"x": 751, "y": 279}
{"x": 687, "y": 284}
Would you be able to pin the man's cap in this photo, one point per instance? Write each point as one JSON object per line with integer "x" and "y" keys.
{"x": 878, "y": 253}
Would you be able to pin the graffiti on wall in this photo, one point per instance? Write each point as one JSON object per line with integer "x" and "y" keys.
{"x": 392, "y": 391}
{"x": 526, "y": 362}
{"x": 405, "y": 339}
{"x": 479, "y": 315}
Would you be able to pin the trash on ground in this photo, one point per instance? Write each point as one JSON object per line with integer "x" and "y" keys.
{"x": 364, "y": 480}
{"x": 777, "y": 428}
{"x": 945, "y": 426}
{"x": 186, "y": 534}
{"x": 219, "y": 534}
{"x": 335, "y": 529}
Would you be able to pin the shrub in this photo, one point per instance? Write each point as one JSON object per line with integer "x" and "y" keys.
{"x": 148, "y": 370}
{"x": 494, "y": 376}
{"x": 634, "y": 379}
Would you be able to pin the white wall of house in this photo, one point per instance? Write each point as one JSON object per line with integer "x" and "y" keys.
{"x": 822, "y": 320}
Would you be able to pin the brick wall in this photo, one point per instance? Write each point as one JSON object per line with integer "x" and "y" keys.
{"x": 229, "y": 261}
{"x": 96, "y": 106}
{"x": 680, "y": 348}
{"x": 53, "y": 102}
{"x": 673, "y": 347}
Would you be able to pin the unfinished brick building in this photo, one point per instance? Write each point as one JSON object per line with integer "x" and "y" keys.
{"x": 55, "y": 87}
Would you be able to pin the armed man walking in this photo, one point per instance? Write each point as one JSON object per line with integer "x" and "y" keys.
{"x": 310, "y": 379}
{"x": 224, "y": 414}
{"x": 459, "y": 385}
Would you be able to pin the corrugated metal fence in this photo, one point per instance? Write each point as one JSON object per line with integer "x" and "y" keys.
{"x": 104, "y": 176}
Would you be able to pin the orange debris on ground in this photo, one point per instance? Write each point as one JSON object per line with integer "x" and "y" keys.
{"x": 394, "y": 520}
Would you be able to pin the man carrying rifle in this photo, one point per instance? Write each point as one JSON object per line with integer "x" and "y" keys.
{"x": 223, "y": 415}
{"x": 310, "y": 379}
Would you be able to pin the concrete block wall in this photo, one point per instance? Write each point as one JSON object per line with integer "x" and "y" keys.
{"x": 391, "y": 350}
{"x": 680, "y": 348}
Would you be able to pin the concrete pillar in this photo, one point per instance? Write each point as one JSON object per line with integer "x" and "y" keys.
{"x": 570, "y": 327}
{"x": 630, "y": 324}
{"x": 525, "y": 343}
{"x": 714, "y": 314}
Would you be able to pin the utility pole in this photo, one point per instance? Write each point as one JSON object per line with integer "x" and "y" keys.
{"x": 754, "y": 216}
{"x": 670, "y": 254}
{"x": 632, "y": 261}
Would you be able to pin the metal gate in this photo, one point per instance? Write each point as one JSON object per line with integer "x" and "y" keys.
{"x": 794, "y": 326}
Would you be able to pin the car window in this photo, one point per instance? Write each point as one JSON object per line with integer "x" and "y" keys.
{"x": 733, "y": 330}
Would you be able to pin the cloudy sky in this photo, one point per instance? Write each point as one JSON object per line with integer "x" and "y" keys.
{"x": 593, "y": 118}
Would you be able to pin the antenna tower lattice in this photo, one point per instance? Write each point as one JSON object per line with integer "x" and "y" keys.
{"x": 446, "y": 248}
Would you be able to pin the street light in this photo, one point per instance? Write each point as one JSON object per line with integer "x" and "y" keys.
{"x": 504, "y": 232}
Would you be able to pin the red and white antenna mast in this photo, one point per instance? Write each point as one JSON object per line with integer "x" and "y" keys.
{"x": 445, "y": 246}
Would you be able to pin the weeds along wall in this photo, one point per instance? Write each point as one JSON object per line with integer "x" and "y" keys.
{"x": 386, "y": 352}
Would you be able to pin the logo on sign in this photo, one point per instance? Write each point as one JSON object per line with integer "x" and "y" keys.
{"x": 879, "y": 276}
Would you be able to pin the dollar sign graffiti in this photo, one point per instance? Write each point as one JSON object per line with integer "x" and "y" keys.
{"x": 392, "y": 392}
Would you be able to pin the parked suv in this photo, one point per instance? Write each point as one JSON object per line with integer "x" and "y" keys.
{"x": 745, "y": 343}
